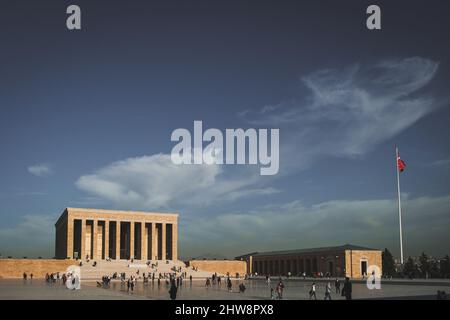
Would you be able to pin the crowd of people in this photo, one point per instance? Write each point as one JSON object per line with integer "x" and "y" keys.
{"x": 58, "y": 278}
{"x": 174, "y": 280}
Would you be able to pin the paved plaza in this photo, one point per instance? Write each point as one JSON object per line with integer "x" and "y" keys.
{"x": 256, "y": 290}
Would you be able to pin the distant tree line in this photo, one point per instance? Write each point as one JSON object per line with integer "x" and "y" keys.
{"x": 423, "y": 267}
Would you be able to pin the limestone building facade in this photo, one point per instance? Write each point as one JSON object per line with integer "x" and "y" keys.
{"x": 101, "y": 234}
{"x": 339, "y": 261}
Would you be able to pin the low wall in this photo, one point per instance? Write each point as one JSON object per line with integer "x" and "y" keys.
{"x": 14, "y": 268}
{"x": 220, "y": 266}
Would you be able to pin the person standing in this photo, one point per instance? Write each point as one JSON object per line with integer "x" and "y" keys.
{"x": 173, "y": 291}
{"x": 347, "y": 289}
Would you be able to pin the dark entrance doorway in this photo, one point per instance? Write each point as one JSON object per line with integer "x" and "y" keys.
{"x": 125, "y": 240}
{"x": 363, "y": 268}
{"x": 330, "y": 268}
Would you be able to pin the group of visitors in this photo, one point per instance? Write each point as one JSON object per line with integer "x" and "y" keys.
{"x": 176, "y": 282}
{"x": 346, "y": 290}
{"x": 131, "y": 282}
{"x": 106, "y": 280}
{"x": 52, "y": 277}
{"x": 70, "y": 279}
{"x": 25, "y": 276}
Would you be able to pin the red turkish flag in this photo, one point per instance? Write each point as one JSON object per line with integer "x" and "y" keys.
{"x": 401, "y": 165}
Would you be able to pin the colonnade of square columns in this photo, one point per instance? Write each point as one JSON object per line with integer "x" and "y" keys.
{"x": 115, "y": 234}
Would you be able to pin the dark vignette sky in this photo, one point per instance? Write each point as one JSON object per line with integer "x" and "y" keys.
{"x": 86, "y": 118}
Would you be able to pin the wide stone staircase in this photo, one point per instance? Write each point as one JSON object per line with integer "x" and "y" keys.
{"x": 108, "y": 268}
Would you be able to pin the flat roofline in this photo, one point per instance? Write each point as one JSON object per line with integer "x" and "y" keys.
{"x": 310, "y": 250}
{"x": 93, "y": 210}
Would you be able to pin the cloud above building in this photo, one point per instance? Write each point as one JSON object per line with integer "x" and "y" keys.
{"x": 40, "y": 170}
{"x": 346, "y": 114}
{"x": 153, "y": 182}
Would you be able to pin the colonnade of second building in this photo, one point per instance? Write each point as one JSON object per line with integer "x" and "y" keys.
{"x": 141, "y": 240}
{"x": 297, "y": 266}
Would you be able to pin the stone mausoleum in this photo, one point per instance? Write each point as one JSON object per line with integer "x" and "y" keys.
{"x": 102, "y": 234}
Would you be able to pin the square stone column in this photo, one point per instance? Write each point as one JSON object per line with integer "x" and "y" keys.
{"x": 163, "y": 239}
{"x": 144, "y": 241}
{"x": 106, "y": 239}
{"x": 154, "y": 242}
{"x": 83, "y": 239}
{"x": 69, "y": 253}
{"x": 94, "y": 239}
{"x": 117, "y": 240}
{"x": 132, "y": 227}
{"x": 175, "y": 241}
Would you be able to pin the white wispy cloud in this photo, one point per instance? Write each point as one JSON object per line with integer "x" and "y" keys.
{"x": 349, "y": 111}
{"x": 441, "y": 163}
{"x": 40, "y": 170}
{"x": 151, "y": 182}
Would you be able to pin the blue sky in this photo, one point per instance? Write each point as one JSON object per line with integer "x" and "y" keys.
{"x": 86, "y": 119}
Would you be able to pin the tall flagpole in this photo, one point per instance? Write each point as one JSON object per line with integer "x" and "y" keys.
{"x": 399, "y": 205}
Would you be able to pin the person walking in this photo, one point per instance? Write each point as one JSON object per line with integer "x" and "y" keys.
{"x": 328, "y": 291}
{"x": 337, "y": 285}
{"x": 280, "y": 288}
{"x": 229, "y": 284}
{"x": 128, "y": 285}
{"x": 312, "y": 291}
{"x": 347, "y": 289}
